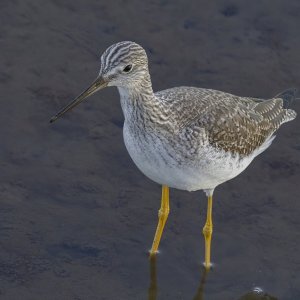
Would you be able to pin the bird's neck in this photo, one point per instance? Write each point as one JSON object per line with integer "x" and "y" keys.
{"x": 140, "y": 106}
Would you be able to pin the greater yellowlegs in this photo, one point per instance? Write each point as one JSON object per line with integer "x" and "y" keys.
{"x": 184, "y": 137}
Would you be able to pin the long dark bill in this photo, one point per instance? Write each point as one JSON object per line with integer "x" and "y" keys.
{"x": 97, "y": 85}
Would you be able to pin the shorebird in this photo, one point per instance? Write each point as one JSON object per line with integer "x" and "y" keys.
{"x": 186, "y": 138}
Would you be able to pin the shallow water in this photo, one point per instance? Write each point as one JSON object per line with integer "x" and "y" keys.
{"x": 76, "y": 216}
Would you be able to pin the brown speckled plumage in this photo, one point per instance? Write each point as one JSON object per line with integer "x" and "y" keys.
{"x": 231, "y": 123}
{"x": 185, "y": 137}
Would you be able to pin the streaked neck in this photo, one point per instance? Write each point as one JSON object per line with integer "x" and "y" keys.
{"x": 139, "y": 103}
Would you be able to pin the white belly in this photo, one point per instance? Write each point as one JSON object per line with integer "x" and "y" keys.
{"x": 207, "y": 169}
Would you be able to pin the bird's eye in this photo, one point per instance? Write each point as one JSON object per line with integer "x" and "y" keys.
{"x": 127, "y": 68}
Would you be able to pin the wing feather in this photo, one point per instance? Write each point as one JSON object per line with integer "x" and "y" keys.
{"x": 236, "y": 124}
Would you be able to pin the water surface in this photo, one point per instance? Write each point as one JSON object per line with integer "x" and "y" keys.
{"x": 76, "y": 216}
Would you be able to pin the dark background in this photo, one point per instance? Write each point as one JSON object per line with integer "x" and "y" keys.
{"x": 76, "y": 216}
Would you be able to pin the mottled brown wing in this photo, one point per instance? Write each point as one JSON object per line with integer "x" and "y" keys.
{"x": 238, "y": 129}
{"x": 236, "y": 124}
{"x": 240, "y": 125}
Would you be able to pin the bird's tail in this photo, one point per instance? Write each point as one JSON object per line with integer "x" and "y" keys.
{"x": 288, "y": 96}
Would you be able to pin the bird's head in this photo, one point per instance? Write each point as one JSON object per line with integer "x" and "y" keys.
{"x": 123, "y": 64}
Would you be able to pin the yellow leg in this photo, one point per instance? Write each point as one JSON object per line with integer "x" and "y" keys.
{"x": 207, "y": 232}
{"x": 162, "y": 218}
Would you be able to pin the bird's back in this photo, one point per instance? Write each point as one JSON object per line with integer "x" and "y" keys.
{"x": 232, "y": 123}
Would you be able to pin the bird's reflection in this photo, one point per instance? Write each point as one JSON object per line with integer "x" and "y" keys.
{"x": 153, "y": 288}
{"x": 200, "y": 291}
{"x": 152, "y": 291}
